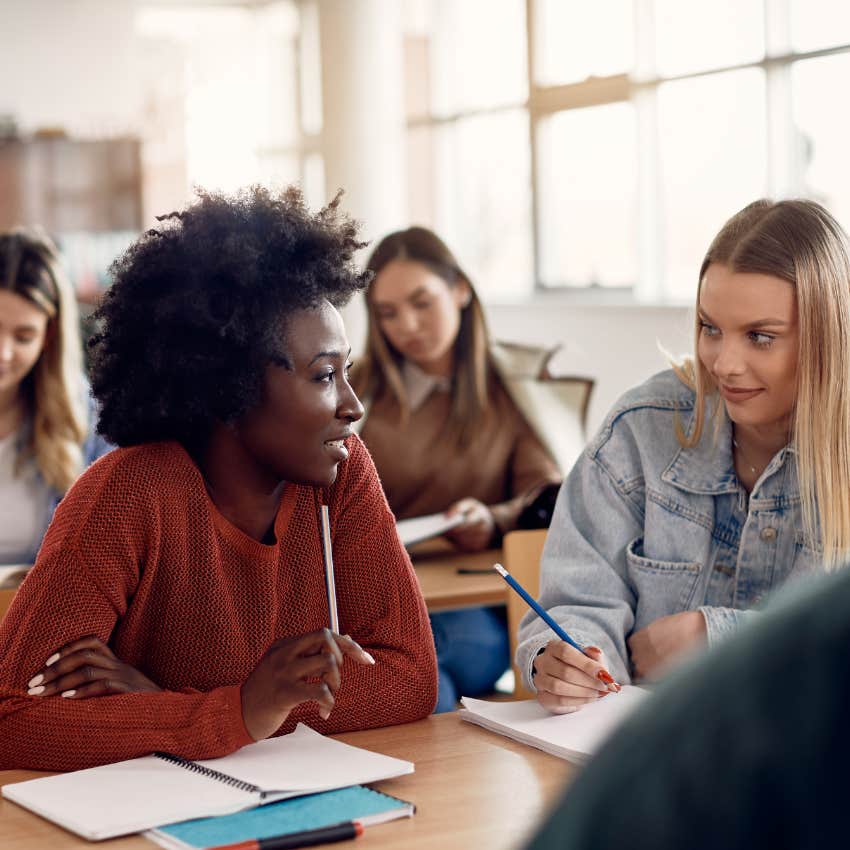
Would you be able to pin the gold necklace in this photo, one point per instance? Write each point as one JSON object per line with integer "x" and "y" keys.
{"x": 742, "y": 458}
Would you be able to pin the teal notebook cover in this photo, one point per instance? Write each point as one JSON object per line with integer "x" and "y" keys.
{"x": 296, "y": 814}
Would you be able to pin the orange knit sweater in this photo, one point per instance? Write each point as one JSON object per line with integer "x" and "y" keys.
{"x": 138, "y": 555}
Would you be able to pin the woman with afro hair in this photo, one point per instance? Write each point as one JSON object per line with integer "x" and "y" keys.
{"x": 178, "y": 602}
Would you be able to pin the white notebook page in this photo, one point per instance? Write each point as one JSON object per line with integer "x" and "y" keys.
{"x": 570, "y": 736}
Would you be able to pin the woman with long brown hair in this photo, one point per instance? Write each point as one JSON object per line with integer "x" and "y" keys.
{"x": 444, "y": 429}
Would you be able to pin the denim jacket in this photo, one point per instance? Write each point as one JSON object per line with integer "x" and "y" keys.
{"x": 644, "y": 528}
{"x": 93, "y": 447}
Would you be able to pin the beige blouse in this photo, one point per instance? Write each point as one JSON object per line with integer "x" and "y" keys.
{"x": 423, "y": 473}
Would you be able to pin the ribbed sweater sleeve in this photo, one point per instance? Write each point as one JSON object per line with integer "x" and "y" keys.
{"x": 58, "y": 605}
{"x": 86, "y": 574}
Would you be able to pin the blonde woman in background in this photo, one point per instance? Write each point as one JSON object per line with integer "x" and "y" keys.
{"x": 445, "y": 431}
{"x": 715, "y": 482}
{"x": 46, "y": 434}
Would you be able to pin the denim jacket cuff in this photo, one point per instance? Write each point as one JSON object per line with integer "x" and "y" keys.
{"x": 720, "y": 623}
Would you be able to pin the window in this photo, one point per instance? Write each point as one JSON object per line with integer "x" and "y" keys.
{"x": 238, "y": 119}
{"x": 604, "y": 151}
{"x": 589, "y": 195}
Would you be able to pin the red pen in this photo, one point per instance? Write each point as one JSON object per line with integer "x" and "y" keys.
{"x": 308, "y": 838}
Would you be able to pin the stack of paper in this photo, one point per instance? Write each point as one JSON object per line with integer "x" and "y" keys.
{"x": 574, "y": 737}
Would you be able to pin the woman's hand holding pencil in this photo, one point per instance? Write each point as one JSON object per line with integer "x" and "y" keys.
{"x": 306, "y": 668}
{"x": 566, "y": 675}
{"x": 567, "y": 679}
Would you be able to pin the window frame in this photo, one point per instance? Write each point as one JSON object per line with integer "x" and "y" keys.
{"x": 640, "y": 88}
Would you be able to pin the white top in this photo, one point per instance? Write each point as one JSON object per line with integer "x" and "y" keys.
{"x": 419, "y": 385}
{"x": 23, "y": 504}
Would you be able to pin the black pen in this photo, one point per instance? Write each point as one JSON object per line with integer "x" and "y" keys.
{"x": 307, "y": 838}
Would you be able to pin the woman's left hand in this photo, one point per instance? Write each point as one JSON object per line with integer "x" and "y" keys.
{"x": 476, "y": 530}
{"x": 87, "y": 668}
{"x": 655, "y": 647}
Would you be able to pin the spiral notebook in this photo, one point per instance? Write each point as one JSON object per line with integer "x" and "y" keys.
{"x": 129, "y": 796}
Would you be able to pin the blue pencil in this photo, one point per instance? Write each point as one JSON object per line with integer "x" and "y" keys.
{"x": 533, "y": 604}
{"x": 603, "y": 675}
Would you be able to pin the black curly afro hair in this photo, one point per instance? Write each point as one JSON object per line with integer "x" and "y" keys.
{"x": 197, "y": 306}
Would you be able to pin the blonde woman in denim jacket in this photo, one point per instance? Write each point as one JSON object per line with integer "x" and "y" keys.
{"x": 700, "y": 493}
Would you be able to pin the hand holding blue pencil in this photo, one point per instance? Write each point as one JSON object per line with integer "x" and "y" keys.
{"x": 604, "y": 676}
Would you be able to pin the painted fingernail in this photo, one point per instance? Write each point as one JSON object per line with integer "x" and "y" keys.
{"x": 602, "y": 694}
{"x": 605, "y": 676}
{"x": 68, "y": 693}
{"x": 369, "y": 658}
{"x": 34, "y": 692}
{"x": 52, "y": 660}
{"x": 36, "y": 680}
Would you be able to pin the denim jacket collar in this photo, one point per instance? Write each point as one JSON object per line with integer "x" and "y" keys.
{"x": 709, "y": 469}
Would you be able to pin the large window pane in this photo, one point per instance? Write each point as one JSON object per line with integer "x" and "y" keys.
{"x": 713, "y": 162}
{"x": 478, "y": 55}
{"x": 575, "y": 39}
{"x": 587, "y": 197}
{"x": 479, "y": 197}
{"x": 697, "y": 36}
{"x": 823, "y": 139}
{"x": 819, "y": 23}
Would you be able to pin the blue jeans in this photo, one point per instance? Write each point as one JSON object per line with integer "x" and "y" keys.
{"x": 472, "y": 652}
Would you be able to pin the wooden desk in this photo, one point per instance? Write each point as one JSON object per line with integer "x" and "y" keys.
{"x": 472, "y": 788}
{"x": 436, "y": 564}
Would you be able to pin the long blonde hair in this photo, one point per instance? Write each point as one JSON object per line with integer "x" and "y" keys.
{"x": 30, "y": 268}
{"x": 379, "y": 370}
{"x": 800, "y": 242}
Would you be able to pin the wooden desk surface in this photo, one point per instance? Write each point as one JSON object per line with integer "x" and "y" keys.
{"x": 436, "y": 564}
{"x": 472, "y": 788}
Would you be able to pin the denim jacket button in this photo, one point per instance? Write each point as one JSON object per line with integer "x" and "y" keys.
{"x": 768, "y": 534}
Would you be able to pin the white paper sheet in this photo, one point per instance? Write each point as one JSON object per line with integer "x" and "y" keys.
{"x": 574, "y": 737}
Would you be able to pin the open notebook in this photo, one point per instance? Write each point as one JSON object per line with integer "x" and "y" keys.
{"x": 574, "y": 737}
{"x": 419, "y": 528}
{"x": 129, "y": 796}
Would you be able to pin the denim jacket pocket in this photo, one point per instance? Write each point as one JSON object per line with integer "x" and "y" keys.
{"x": 661, "y": 587}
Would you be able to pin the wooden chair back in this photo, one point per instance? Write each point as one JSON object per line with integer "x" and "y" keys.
{"x": 521, "y": 551}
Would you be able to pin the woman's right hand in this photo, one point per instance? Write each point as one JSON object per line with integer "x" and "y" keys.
{"x": 279, "y": 682}
{"x": 567, "y": 679}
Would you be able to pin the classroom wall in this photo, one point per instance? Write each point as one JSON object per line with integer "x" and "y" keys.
{"x": 75, "y": 64}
